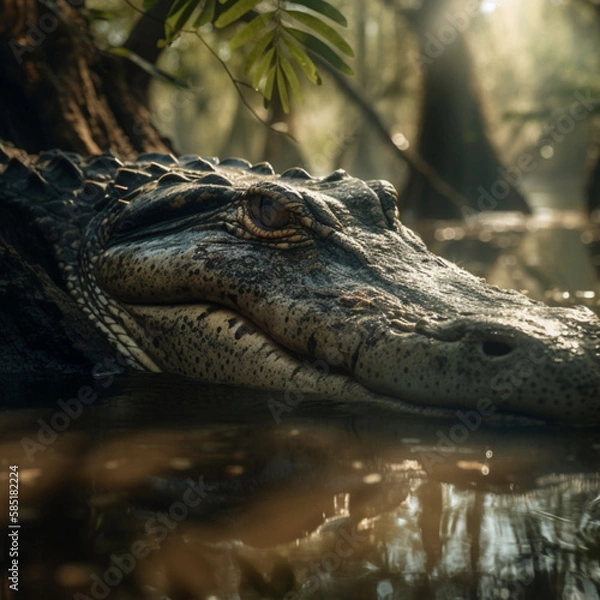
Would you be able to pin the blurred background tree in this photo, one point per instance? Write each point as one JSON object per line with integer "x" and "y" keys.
{"x": 448, "y": 97}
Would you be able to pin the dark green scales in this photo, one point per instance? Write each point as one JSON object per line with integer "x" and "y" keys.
{"x": 227, "y": 272}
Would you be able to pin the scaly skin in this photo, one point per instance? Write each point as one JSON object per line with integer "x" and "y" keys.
{"x": 230, "y": 273}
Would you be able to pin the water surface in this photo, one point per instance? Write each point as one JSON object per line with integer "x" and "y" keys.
{"x": 165, "y": 488}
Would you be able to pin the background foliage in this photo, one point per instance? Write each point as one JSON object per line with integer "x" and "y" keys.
{"x": 528, "y": 58}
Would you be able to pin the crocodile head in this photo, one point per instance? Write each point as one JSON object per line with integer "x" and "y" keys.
{"x": 231, "y": 273}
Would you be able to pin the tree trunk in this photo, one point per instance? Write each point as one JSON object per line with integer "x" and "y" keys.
{"x": 593, "y": 186}
{"x": 452, "y": 137}
{"x": 59, "y": 91}
{"x": 44, "y": 334}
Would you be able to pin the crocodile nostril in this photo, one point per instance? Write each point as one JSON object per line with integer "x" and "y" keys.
{"x": 496, "y": 348}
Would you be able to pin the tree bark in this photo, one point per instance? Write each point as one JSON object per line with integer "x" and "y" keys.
{"x": 60, "y": 91}
{"x": 44, "y": 333}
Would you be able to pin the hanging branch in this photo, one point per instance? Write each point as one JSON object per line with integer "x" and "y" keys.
{"x": 413, "y": 160}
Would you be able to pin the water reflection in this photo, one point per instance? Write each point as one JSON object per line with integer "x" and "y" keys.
{"x": 170, "y": 489}
{"x": 546, "y": 255}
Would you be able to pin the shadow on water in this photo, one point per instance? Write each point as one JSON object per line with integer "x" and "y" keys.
{"x": 155, "y": 487}
{"x": 165, "y": 488}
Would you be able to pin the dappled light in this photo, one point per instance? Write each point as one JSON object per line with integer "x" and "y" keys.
{"x": 299, "y": 299}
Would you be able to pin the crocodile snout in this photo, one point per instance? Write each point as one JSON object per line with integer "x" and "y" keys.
{"x": 539, "y": 364}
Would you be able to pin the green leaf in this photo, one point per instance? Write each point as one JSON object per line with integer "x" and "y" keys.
{"x": 235, "y": 12}
{"x": 304, "y": 61}
{"x": 290, "y": 75}
{"x": 323, "y": 50}
{"x": 251, "y": 30}
{"x": 176, "y": 7}
{"x": 324, "y": 30}
{"x": 282, "y": 90}
{"x": 206, "y": 15}
{"x": 268, "y": 91}
{"x": 147, "y": 4}
{"x": 179, "y": 13}
{"x": 256, "y": 52}
{"x": 264, "y": 64}
{"x": 325, "y": 9}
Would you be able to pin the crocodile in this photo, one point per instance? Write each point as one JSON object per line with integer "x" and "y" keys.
{"x": 227, "y": 272}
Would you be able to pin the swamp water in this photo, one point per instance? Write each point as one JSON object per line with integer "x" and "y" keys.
{"x": 153, "y": 487}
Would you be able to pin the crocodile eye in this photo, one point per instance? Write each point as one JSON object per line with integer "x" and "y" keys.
{"x": 268, "y": 213}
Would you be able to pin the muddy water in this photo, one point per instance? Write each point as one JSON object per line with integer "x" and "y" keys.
{"x": 162, "y": 488}
{"x": 153, "y": 487}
